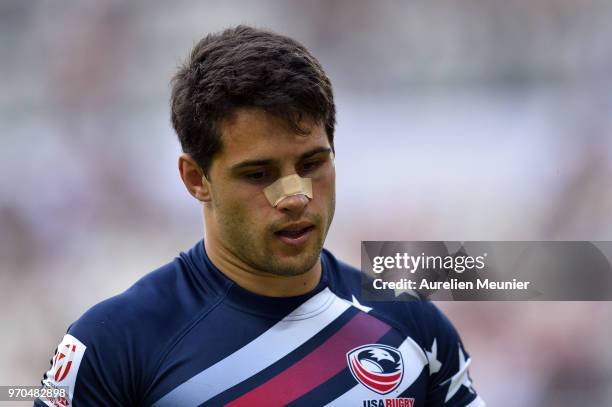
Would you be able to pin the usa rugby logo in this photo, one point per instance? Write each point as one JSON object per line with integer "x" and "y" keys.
{"x": 378, "y": 367}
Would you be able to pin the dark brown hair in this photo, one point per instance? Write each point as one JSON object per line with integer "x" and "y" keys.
{"x": 246, "y": 67}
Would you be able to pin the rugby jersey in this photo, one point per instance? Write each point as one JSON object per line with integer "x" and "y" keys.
{"x": 186, "y": 335}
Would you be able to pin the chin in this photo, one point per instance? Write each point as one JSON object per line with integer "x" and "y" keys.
{"x": 295, "y": 265}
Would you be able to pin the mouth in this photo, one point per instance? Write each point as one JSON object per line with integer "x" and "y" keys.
{"x": 296, "y": 234}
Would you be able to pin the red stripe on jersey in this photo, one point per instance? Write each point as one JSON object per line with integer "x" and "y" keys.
{"x": 317, "y": 367}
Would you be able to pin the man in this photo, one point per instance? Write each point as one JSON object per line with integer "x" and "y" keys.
{"x": 258, "y": 313}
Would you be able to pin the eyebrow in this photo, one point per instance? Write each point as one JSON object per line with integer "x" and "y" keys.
{"x": 263, "y": 162}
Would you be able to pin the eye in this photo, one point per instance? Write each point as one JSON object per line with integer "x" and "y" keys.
{"x": 310, "y": 165}
{"x": 256, "y": 176}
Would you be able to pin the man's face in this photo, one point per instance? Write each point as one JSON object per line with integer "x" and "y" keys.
{"x": 259, "y": 148}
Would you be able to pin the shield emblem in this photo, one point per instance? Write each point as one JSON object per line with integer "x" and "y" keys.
{"x": 378, "y": 367}
{"x": 62, "y": 362}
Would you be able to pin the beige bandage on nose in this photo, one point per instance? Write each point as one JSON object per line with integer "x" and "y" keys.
{"x": 288, "y": 186}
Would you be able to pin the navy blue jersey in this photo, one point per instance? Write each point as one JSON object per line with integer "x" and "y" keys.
{"x": 186, "y": 335}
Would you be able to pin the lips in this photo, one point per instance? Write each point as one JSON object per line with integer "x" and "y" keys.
{"x": 295, "y": 234}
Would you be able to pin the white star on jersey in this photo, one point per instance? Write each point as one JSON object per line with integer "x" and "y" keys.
{"x": 461, "y": 378}
{"x": 432, "y": 357}
{"x": 361, "y": 307}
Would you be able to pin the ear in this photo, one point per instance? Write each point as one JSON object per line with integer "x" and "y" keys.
{"x": 193, "y": 178}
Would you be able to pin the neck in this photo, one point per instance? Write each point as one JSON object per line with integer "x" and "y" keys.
{"x": 259, "y": 281}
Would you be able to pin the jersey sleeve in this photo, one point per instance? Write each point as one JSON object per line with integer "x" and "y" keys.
{"x": 450, "y": 384}
{"x": 93, "y": 363}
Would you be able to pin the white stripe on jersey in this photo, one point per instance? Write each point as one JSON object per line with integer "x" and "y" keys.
{"x": 274, "y": 344}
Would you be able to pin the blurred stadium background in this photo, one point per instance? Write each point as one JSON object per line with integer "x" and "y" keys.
{"x": 457, "y": 120}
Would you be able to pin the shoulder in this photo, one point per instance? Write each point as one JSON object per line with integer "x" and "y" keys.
{"x": 142, "y": 304}
{"x": 115, "y": 347}
{"x": 160, "y": 305}
{"x": 418, "y": 318}
{"x": 449, "y": 382}
{"x": 103, "y": 357}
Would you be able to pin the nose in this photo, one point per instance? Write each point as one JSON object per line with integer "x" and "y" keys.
{"x": 293, "y": 204}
